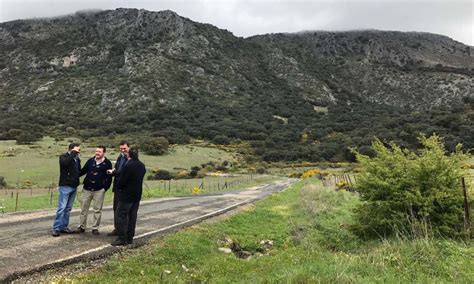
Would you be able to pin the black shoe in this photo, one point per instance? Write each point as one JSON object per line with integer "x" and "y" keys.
{"x": 118, "y": 242}
{"x": 67, "y": 231}
{"x": 55, "y": 234}
{"x": 113, "y": 233}
{"x": 130, "y": 242}
{"x": 79, "y": 230}
{"x": 95, "y": 232}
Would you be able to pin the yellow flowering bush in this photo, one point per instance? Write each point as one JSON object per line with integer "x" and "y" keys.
{"x": 196, "y": 190}
{"x": 342, "y": 184}
{"x": 182, "y": 174}
{"x": 311, "y": 173}
{"x": 467, "y": 166}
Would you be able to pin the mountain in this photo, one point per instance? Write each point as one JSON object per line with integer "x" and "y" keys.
{"x": 292, "y": 95}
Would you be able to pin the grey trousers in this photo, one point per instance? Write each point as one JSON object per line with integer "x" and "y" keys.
{"x": 87, "y": 197}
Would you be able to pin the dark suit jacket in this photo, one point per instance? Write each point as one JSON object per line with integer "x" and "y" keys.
{"x": 130, "y": 182}
{"x": 118, "y": 170}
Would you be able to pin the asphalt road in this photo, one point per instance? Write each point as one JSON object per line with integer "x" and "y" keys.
{"x": 26, "y": 244}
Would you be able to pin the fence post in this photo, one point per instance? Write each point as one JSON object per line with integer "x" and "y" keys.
{"x": 16, "y": 202}
{"x": 350, "y": 181}
{"x": 467, "y": 221}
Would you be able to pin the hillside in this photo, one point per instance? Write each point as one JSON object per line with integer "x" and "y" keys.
{"x": 294, "y": 96}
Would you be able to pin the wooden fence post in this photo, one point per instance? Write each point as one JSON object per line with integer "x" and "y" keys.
{"x": 350, "y": 181}
{"x": 16, "y": 202}
{"x": 467, "y": 220}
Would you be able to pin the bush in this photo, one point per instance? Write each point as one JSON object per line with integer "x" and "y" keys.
{"x": 155, "y": 146}
{"x": 403, "y": 189}
{"x": 161, "y": 175}
{"x": 3, "y": 182}
{"x": 221, "y": 139}
{"x": 193, "y": 173}
{"x": 27, "y": 138}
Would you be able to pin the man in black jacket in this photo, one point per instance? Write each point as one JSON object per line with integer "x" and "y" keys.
{"x": 96, "y": 183}
{"x": 70, "y": 167}
{"x": 129, "y": 193}
{"x": 122, "y": 159}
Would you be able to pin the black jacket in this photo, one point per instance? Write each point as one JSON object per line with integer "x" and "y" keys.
{"x": 96, "y": 175}
{"x": 69, "y": 170}
{"x": 129, "y": 185}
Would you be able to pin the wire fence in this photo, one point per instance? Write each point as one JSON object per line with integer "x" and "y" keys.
{"x": 21, "y": 199}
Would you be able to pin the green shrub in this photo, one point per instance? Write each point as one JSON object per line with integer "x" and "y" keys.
{"x": 161, "y": 175}
{"x": 27, "y": 137}
{"x": 3, "y": 182}
{"x": 155, "y": 146}
{"x": 221, "y": 139}
{"x": 404, "y": 191}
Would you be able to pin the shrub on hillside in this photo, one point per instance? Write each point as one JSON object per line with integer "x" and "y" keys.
{"x": 3, "y": 182}
{"x": 161, "y": 175}
{"x": 403, "y": 190}
{"x": 27, "y": 137}
{"x": 155, "y": 146}
{"x": 221, "y": 139}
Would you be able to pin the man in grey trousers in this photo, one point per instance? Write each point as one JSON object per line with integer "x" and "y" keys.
{"x": 96, "y": 183}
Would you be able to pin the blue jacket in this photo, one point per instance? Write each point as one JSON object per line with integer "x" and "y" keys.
{"x": 96, "y": 175}
{"x": 121, "y": 161}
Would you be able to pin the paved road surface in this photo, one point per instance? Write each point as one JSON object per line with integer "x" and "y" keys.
{"x": 26, "y": 243}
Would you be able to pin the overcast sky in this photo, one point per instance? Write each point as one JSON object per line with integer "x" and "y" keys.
{"x": 454, "y": 18}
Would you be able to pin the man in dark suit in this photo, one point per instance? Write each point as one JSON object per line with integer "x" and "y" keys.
{"x": 122, "y": 159}
{"x": 69, "y": 172}
{"x": 129, "y": 193}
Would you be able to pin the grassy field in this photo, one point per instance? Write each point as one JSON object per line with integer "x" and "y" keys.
{"x": 38, "y": 163}
{"x": 308, "y": 225}
{"x": 43, "y": 198}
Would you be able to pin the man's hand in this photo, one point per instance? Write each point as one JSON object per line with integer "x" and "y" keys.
{"x": 76, "y": 151}
{"x": 111, "y": 171}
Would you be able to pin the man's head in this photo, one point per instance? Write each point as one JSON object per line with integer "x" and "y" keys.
{"x": 124, "y": 147}
{"x": 133, "y": 153}
{"x": 100, "y": 152}
{"x": 75, "y": 147}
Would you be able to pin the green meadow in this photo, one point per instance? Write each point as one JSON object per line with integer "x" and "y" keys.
{"x": 38, "y": 165}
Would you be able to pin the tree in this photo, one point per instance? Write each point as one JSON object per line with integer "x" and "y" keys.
{"x": 403, "y": 191}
